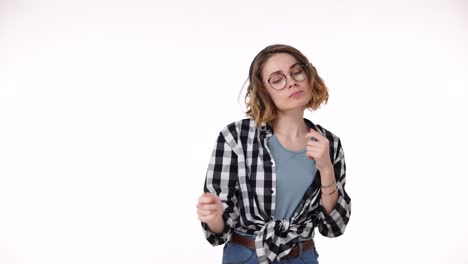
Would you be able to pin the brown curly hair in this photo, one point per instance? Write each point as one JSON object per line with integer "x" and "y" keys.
{"x": 258, "y": 102}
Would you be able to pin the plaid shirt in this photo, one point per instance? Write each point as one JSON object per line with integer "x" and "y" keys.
{"x": 242, "y": 173}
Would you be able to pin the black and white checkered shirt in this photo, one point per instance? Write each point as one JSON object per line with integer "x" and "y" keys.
{"x": 242, "y": 173}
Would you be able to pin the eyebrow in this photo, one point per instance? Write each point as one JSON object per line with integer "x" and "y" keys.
{"x": 279, "y": 71}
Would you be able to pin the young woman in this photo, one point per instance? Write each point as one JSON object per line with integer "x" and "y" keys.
{"x": 275, "y": 176}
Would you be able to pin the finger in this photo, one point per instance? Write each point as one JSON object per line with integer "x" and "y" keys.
{"x": 314, "y": 134}
{"x": 212, "y": 196}
{"x": 317, "y": 145}
{"x": 215, "y": 198}
{"x": 312, "y": 153}
{"x": 313, "y": 144}
{"x": 207, "y": 198}
{"x": 202, "y": 213}
{"x": 314, "y": 147}
{"x": 208, "y": 207}
{"x": 207, "y": 219}
{"x": 206, "y": 213}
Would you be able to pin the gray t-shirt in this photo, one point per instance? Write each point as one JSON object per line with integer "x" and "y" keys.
{"x": 295, "y": 172}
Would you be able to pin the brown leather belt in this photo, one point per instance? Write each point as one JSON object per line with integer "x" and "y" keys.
{"x": 250, "y": 243}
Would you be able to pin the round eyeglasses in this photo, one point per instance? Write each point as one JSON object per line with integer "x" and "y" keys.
{"x": 278, "y": 81}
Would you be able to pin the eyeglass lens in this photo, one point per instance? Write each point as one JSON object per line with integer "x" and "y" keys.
{"x": 278, "y": 81}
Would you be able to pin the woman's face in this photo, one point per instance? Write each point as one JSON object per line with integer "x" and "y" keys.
{"x": 296, "y": 93}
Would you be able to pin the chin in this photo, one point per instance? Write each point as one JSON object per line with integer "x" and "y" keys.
{"x": 295, "y": 104}
{"x": 301, "y": 103}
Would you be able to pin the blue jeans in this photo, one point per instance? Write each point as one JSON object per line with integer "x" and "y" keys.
{"x": 237, "y": 254}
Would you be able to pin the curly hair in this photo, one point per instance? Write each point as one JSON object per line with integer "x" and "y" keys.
{"x": 258, "y": 102}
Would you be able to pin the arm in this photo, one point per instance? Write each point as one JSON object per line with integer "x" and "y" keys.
{"x": 329, "y": 191}
{"x": 221, "y": 180}
{"x": 335, "y": 204}
{"x": 335, "y": 208}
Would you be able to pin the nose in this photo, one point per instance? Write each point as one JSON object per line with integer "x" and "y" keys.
{"x": 290, "y": 82}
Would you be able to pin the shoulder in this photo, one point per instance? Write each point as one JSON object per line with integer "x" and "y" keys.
{"x": 239, "y": 131}
{"x": 238, "y": 127}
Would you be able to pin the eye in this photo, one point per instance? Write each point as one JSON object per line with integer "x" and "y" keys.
{"x": 297, "y": 69}
{"x": 276, "y": 79}
{"x": 299, "y": 76}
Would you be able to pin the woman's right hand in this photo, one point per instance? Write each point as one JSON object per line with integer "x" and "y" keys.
{"x": 210, "y": 211}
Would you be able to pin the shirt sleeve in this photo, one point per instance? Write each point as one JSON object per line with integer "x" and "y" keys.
{"x": 334, "y": 224}
{"x": 221, "y": 179}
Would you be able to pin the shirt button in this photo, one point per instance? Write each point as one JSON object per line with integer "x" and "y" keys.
{"x": 272, "y": 191}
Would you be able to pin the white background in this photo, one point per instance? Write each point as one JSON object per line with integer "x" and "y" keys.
{"x": 109, "y": 111}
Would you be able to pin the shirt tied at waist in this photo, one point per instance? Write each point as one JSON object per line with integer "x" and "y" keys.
{"x": 268, "y": 244}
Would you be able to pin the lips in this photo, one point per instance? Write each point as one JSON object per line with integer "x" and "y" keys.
{"x": 296, "y": 93}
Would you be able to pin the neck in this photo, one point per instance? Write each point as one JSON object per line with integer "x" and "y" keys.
{"x": 290, "y": 124}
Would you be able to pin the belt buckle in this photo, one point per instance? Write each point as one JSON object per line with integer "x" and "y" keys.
{"x": 295, "y": 250}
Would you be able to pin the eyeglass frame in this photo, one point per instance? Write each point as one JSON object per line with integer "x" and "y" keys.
{"x": 286, "y": 77}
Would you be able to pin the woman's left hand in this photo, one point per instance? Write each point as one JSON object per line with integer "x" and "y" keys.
{"x": 318, "y": 149}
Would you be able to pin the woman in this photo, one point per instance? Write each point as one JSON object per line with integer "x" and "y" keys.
{"x": 275, "y": 176}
